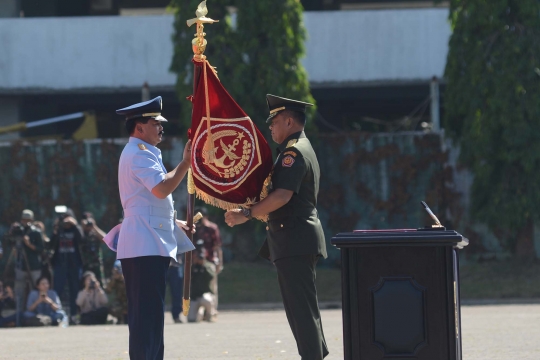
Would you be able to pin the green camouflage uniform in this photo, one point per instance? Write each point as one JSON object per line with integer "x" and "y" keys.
{"x": 116, "y": 290}
{"x": 92, "y": 255}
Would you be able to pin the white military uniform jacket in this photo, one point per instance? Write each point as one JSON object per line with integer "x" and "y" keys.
{"x": 149, "y": 226}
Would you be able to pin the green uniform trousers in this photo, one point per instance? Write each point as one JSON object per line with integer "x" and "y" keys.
{"x": 296, "y": 276}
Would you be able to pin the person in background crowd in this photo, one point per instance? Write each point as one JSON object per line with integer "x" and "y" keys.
{"x": 209, "y": 233}
{"x": 175, "y": 278}
{"x": 1, "y": 256}
{"x": 202, "y": 274}
{"x": 46, "y": 269}
{"x": 28, "y": 261}
{"x": 44, "y": 301}
{"x": 6, "y": 299}
{"x": 91, "y": 252}
{"x": 92, "y": 300}
{"x": 66, "y": 261}
{"x": 41, "y": 226}
{"x": 116, "y": 289}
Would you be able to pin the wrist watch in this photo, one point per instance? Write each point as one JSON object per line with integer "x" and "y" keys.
{"x": 247, "y": 213}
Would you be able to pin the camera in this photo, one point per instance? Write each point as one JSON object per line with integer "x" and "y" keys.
{"x": 92, "y": 284}
{"x": 17, "y": 232}
{"x": 17, "y": 229}
{"x": 61, "y": 211}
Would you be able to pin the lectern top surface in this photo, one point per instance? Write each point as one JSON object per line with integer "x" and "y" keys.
{"x": 400, "y": 237}
{"x": 385, "y": 230}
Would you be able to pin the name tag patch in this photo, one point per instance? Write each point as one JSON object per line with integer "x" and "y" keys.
{"x": 287, "y": 161}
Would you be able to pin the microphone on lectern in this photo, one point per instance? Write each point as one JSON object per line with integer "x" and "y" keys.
{"x": 431, "y": 213}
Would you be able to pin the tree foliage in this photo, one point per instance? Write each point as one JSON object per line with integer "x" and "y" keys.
{"x": 256, "y": 51}
{"x": 492, "y": 108}
{"x": 220, "y": 50}
{"x": 271, "y": 38}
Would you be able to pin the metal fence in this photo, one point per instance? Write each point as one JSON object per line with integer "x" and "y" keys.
{"x": 368, "y": 181}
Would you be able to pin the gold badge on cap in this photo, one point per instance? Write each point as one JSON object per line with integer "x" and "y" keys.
{"x": 142, "y": 146}
{"x": 291, "y": 143}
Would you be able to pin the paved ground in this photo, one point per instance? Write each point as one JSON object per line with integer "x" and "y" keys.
{"x": 504, "y": 332}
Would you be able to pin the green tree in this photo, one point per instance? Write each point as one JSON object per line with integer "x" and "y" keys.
{"x": 220, "y": 51}
{"x": 493, "y": 110}
{"x": 256, "y": 51}
{"x": 271, "y": 36}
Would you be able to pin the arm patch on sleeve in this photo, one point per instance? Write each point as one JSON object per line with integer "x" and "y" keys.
{"x": 289, "y": 153}
{"x": 287, "y": 161}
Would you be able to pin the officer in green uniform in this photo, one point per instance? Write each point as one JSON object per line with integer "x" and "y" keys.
{"x": 295, "y": 239}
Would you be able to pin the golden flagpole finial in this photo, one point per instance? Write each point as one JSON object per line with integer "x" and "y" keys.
{"x": 199, "y": 43}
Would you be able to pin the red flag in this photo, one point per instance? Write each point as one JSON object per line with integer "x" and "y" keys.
{"x": 230, "y": 158}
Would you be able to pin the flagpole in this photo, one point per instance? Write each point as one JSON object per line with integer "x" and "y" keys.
{"x": 189, "y": 217}
{"x": 198, "y": 47}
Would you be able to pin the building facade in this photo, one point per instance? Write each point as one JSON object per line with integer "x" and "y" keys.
{"x": 375, "y": 76}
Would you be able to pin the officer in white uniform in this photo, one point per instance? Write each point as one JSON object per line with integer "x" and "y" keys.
{"x": 149, "y": 235}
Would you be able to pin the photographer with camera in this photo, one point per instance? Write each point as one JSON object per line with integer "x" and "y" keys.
{"x": 91, "y": 252}
{"x": 66, "y": 260}
{"x": 43, "y": 306}
{"x": 27, "y": 243}
{"x": 92, "y": 300}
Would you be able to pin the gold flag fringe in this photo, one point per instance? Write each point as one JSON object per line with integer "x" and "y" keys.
{"x": 264, "y": 194}
{"x": 210, "y": 200}
{"x": 266, "y": 185}
{"x": 225, "y": 205}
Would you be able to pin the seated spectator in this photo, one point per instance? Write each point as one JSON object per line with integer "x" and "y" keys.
{"x": 44, "y": 302}
{"x": 6, "y": 299}
{"x": 116, "y": 289}
{"x": 92, "y": 300}
{"x": 202, "y": 274}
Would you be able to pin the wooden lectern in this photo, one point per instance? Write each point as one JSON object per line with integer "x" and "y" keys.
{"x": 400, "y": 293}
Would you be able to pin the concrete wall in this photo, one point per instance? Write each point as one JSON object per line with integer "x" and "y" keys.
{"x": 114, "y": 53}
{"x": 9, "y": 8}
{"x": 85, "y": 53}
{"x": 9, "y": 115}
{"x": 376, "y": 45}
